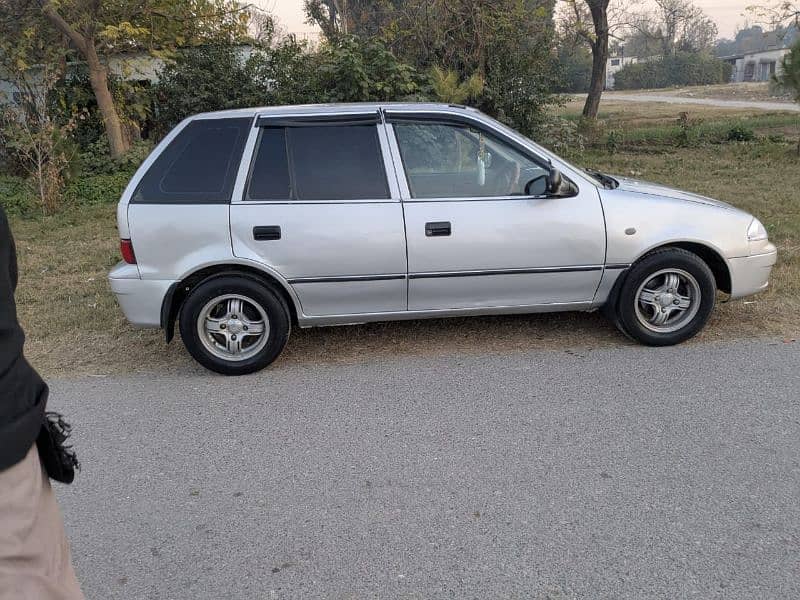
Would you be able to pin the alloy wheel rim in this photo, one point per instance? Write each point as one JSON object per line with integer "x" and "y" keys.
{"x": 667, "y": 300}
{"x": 233, "y": 327}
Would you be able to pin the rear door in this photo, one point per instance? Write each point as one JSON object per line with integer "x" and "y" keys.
{"x": 321, "y": 210}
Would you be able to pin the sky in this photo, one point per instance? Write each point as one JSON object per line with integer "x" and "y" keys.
{"x": 728, "y": 14}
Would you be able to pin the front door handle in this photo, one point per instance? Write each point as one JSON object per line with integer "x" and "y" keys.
{"x": 437, "y": 228}
{"x": 263, "y": 233}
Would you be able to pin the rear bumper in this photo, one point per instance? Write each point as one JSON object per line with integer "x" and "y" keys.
{"x": 140, "y": 299}
{"x": 750, "y": 274}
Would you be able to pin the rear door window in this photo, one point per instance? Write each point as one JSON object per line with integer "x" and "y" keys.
{"x": 199, "y": 166}
{"x": 269, "y": 179}
{"x": 319, "y": 162}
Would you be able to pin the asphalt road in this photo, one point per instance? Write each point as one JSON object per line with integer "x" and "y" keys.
{"x": 761, "y": 105}
{"x": 610, "y": 473}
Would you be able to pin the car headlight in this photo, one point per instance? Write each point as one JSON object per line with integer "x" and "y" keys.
{"x": 756, "y": 232}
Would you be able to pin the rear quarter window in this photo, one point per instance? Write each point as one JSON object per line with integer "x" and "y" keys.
{"x": 199, "y": 166}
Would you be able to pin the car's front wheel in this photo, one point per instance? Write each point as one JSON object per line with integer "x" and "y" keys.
{"x": 234, "y": 325}
{"x": 666, "y": 298}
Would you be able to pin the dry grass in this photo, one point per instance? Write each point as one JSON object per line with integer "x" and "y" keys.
{"x": 754, "y": 91}
{"x": 637, "y": 117}
{"x": 75, "y": 327}
{"x": 636, "y": 114}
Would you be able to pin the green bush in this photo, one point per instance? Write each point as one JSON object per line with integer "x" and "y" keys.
{"x": 574, "y": 66}
{"x": 740, "y": 133}
{"x": 73, "y": 96}
{"x": 96, "y": 189}
{"x": 348, "y": 69}
{"x": 16, "y": 195}
{"x": 356, "y": 70}
{"x": 95, "y": 158}
{"x": 675, "y": 70}
{"x": 561, "y": 136}
{"x": 205, "y": 79}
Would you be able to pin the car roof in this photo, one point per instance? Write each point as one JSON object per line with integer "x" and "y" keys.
{"x": 312, "y": 109}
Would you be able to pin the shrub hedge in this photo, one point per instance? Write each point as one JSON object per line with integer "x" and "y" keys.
{"x": 676, "y": 70}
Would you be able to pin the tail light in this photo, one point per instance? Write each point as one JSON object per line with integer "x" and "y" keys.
{"x": 126, "y": 248}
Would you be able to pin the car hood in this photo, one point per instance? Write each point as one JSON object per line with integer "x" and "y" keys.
{"x": 653, "y": 189}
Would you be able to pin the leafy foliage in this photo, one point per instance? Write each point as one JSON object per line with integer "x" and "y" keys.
{"x": 789, "y": 78}
{"x": 72, "y": 96}
{"x": 16, "y": 195}
{"x": 504, "y": 42}
{"x": 221, "y": 77}
{"x": 574, "y": 66}
{"x": 354, "y": 70}
{"x": 447, "y": 87}
{"x": 209, "y": 78}
{"x": 95, "y": 160}
{"x": 97, "y": 189}
{"x": 54, "y": 31}
{"x": 40, "y": 146}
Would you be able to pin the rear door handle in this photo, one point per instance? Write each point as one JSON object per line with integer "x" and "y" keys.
{"x": 263, "y": 233}
{"x": 437, "y": 228}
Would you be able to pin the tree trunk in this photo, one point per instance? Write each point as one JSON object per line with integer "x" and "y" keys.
{"x": 98, "y": 76}
{"x": 599, "y": 12}
{"x": 598, "y": 81}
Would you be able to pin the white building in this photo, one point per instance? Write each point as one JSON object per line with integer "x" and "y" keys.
{"x": 615, "y": 64}
{"x": 756, "y": 66}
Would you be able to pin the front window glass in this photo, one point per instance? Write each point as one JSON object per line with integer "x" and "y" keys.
{"x": 455, "y": 161}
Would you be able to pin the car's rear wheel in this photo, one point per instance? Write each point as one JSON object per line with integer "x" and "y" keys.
{"x": 234, "y": 325}
{"x": 666, "y": 298}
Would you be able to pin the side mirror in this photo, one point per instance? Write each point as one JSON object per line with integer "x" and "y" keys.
{"x": 547, "y": 183}
{"x": 554, "y": 181}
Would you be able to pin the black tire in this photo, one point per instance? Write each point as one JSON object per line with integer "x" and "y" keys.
{"x": 262, "y": 298}
{"x": 631, "y": 316}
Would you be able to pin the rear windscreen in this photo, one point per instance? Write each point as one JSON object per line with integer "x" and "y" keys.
{"x": 199, "y": 166}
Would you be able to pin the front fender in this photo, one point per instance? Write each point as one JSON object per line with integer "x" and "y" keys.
{"x": 638, "y": 223}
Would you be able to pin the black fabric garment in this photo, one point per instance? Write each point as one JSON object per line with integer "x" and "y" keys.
{"x": 23, "y": 394}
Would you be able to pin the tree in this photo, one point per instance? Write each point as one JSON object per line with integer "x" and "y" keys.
{"x": 363, "y": 18}
{"x": 39, "y": 144}
{"x": 96, "y": 29}
{"x": 783, "y": 17}
{"x": 209, "y": 78}
{"x": 575, "y": 68}
{"x": 589, "y": 20}
{"x": 327, "y": 14}
{"x": 755, "y": 38}
{"x": 789, "y": 78}
{"x": 673, "y": 26}
{"x": 353, "y": 69}
{"x": 506, "y": 43}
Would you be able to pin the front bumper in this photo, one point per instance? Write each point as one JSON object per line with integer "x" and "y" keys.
{"x": 140, "y": 299}
{"x": 750, "y": 274}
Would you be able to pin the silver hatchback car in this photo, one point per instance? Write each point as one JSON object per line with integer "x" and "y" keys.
{"x": 243, "y": 223}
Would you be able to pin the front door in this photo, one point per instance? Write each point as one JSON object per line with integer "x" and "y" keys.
{"x": 319, "y": 209}
{"x": 475, "y": 237}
